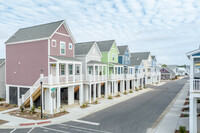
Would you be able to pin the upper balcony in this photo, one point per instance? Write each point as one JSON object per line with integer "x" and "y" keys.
{"x": 116, "y": 71}
{"x": 63, "y": 70}
{"x": 95, "y": 72}
{"x": 130, "y": 73}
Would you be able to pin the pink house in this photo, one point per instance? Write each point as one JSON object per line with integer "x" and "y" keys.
{"x": 43, "y": 53}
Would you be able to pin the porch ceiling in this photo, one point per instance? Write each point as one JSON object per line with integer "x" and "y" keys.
{"x": 64, "y": 59}
{"x": 93, "y": 62}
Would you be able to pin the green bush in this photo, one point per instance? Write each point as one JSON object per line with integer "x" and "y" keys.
{"x": 110, "y": 97}
{"x": 1, "y": 99}
{"x": 84, "y": 105}
{"x": 96, "y": 102}
{"x": 125, "y": 93}
{"x": 131, "y": 91}
{"x": 118, "y": 95}
{"x": 182, "y": 129}
{"x": 22, "y": 108}
{"x": 136, "y": 90}
{"x": 186, "y": 115}
{"x": 33, "y": 109}
{"x": 102, "y": 96}
{"x": 14, "y": 105}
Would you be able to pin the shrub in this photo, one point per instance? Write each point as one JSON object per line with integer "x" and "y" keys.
{"x": 109, "y": 97}
{"x": 84, "y": 105}
{"x": 22, "y": 108}
{"x": 96, "y": 102}
{"x": 131, "y": 91}
{"x": 186, "y": 115}
{"x": 14, "y": 105}
{"x": 182, "y": 129}
{"x": 64, "y": 111}
{"x": 33, "y": 109}
{"x": 140, "y": 88}
{"x": 125, "y": 93}
{"x": 136, "y": 90}
{"x": 1, "y": 99}
{"x": 102, "y": 96}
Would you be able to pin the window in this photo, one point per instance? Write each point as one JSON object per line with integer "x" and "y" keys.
{"x": 62, "y": 48}
{"x": 62, "y": 69}
{"x": 90, "y": 70}
{"x": 113, "y": 57}
{"x": 53, "y": 43}
{"x": 77, "y": 70}
{"x": 70, "y": 46}
{"x": 70, "y": 69}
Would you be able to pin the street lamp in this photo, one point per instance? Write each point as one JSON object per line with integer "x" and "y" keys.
{"x": 41, "y": 82}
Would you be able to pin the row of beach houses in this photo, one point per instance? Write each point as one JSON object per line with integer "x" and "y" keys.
{"x": 69, "y": 72}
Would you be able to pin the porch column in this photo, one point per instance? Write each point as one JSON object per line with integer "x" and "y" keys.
{"x": 132, "y": 84}
{"x": 106, "y": 89}
{"x": 138, "y": 83}
{"x": 98, "y": 73}
{"x": 94, "y": 72}
{"x": 57, "y": 73}
{"x": 81, "y": 73}
{"x": 90, "y": 94}
{"x": 50, "y": 102}
{"x": 106, "y": 73}
{"x": 191, "y": 118}
{"x": 31, "y": 102}
{"x": 70, "y": 95}
{"x": 7, "y": 94}
{"x": 73, "y": 72}
{"x": 195, "y": 114}
{"x": 49, "y": 75}
{"x": 58, "y": 98}
{"x": 109, "y": 87}
{"x": 102, "y": 73}
{"x": 99, "y": 90}
{"x": 94, "y": 92}
{"x": 80, "y": 94}
{"x": 127, "y": 85}
{"x": 112, "y": 88}
{"x": 18, "y": 96}
{"x": 66, "y": 72}
{"x": 122, "y": 86}
{"x": 191, "y": 73}
{"x": 142, "y": 84}
{"x": 114, "y": 73}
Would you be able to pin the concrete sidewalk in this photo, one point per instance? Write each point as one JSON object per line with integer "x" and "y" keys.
{"x": 75, "y": 112}
{"x": 170, "y": 119}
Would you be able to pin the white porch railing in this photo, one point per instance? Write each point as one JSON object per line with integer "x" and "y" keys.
{"x": 116, "y": 76}
{"x": 94, "y": 78}
{"x": 49, "y": 80}
{"x": 196, "y": 85}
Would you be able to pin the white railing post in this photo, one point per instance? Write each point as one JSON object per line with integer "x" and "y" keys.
{"x": 73, "y": 72}
{"x": 81, "y": 73}
{"x": 57, "y": 73}
{"x": 66, "y": 72}
{"x": 50, "y": 79}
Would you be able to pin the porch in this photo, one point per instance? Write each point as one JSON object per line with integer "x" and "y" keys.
{"x": 116, "y": 72}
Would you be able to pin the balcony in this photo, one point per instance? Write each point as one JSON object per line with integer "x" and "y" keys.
{"x": 116, "y": 76}
{"x": 195, "y": 86}
{"x": 130, "y": 76}
{"x": 94, "y": 78}
{"x": 53, "y": 80}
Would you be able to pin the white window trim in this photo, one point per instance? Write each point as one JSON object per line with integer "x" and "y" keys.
{"x": 69, "y": 46}
{"x": 60, "y": 48}
{"x": 52, "y": 43}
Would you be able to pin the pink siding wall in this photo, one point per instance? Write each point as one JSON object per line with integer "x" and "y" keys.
{"x": 24, "y": 62}
{"x": 56, "y": 50}
{"x": 62, "y": 30}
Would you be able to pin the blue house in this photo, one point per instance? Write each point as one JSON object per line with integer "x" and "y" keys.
{"x": 124, "y": 55}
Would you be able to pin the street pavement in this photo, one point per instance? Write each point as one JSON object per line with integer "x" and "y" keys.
{"x": 135, "y": 115}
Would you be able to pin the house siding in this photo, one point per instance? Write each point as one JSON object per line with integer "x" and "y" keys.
{"x": 112, "y": 51}
{"x": 24, "y": 62}
{"x": 120, "y": 59}
{"x": 62, "y": 30}
{"x": 2, "y": 82}
{"x": 55, "y": 51}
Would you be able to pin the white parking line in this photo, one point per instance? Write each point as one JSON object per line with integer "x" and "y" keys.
{"x": 87, "y": 122}
{"x": 30, "y": 130}
{"x": 13, "y": 130}
{"x": 85, "y": 128}
{"x": 54, "y": 130}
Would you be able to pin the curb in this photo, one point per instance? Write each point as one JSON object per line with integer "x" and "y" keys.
{"x": 37, "y": 123}
{"x": 158, "y": 121}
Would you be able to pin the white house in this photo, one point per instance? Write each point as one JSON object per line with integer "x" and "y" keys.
{"x": 2, "y": 79}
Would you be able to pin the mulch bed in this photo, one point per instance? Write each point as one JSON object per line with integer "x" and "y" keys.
{"x": 184, "y": 115}
{"x": 3, "y": 122}
{"x": 177, "y": 131}
{"x": 186, "y": 103}
{"x": 35, "y": 116}
{"x": 5, "y": 106}
{"x": 185, "y": 109}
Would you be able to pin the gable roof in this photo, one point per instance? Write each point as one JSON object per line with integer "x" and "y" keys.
{"x": 83, "y": 48}
{"x": 105, "y": 46}
{"x": 2, "y": 61}
{"x": 135, "y": 61}
{"x": 168, "y": 69}
{"x": 153, "y": 57}
{"x": 36, "y": 32}
{"x": 122, "y": 49}
{"x": 141, "y": 55}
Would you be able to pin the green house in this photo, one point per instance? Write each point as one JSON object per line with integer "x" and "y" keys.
{"x": 109, "y": 51}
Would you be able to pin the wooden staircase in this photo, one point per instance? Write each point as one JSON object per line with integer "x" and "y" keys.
{"x": 35, "y": 95}
{"x": 76, "y": 88}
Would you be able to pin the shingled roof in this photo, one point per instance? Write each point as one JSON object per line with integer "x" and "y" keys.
{"x": 105, "y": 46}
{"x": 83, "y": 48}
{"x": 34, "y": 32}
{"x": 122, "y": 49}
{"x": 136, "y": 58}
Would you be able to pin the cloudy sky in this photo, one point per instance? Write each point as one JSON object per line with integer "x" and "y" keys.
{"x": 167, "y": 28}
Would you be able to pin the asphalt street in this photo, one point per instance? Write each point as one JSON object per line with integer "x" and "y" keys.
{"x": 135, "y": 115}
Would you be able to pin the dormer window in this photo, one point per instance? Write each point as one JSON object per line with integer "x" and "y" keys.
{"x": 53, "y": 43}
{"x": 70, "y": 46}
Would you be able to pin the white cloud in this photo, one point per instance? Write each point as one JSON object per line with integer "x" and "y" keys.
{"x": 167, "y": 28}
